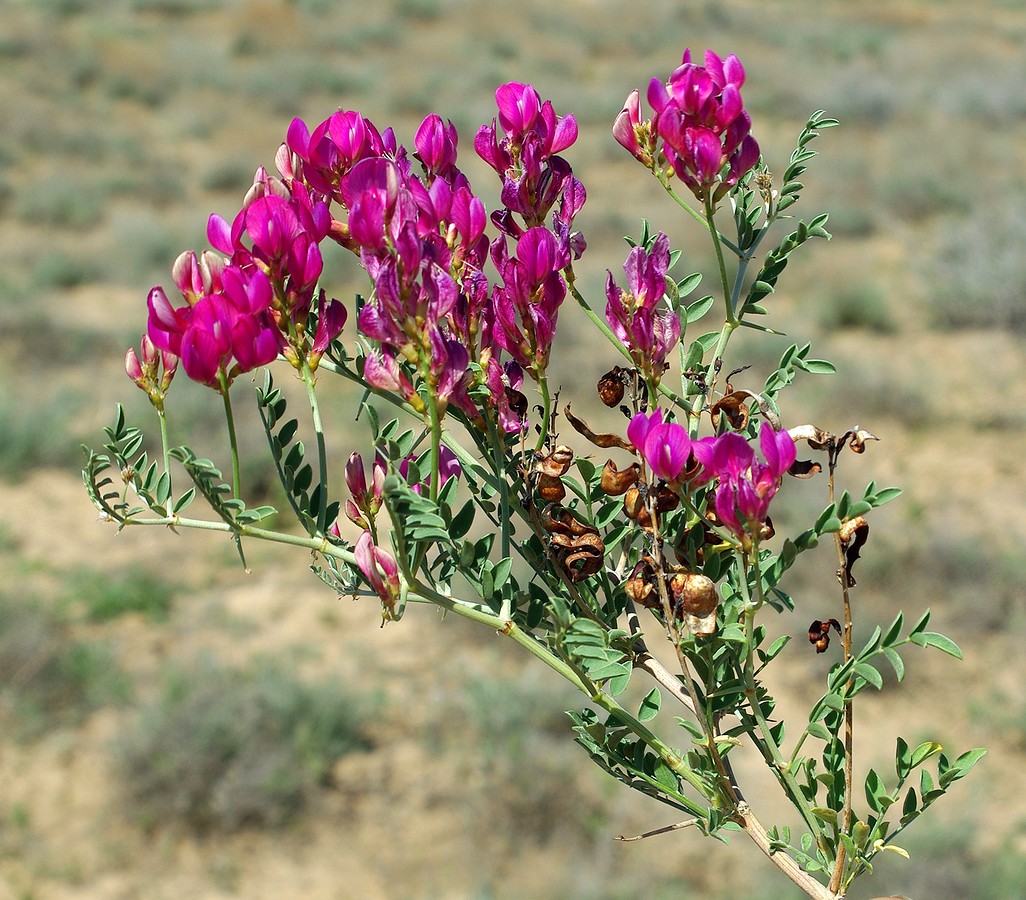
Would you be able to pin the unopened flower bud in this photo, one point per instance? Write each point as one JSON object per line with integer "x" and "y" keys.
{"x": 133, "y": 369}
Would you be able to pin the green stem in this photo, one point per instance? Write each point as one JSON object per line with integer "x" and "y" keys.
{"x": 711, "y": 374}
{"x": 845, "y": 820}
{"x": 499, "y": 464}
{"x": 233, "y": 441}
{"x": 765, "y": 741}
{"x": 165, "y": 447}
{"x": 703, "y": 220}
{"x": 322, "y": 455}
{"x": 435, "y": 424}
{"x": 718, "y": 247}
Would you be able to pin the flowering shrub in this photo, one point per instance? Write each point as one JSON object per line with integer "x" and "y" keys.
{"x": 477, "y": 503}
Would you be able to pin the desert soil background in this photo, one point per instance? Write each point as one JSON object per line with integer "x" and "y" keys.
{"x": 145, "y": 680}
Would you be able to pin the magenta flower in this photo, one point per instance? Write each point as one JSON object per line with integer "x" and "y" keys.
{"x": 631, "y": 315}
{"x": 380, "y": 569}
{"x": 448, "y": 467}
{"x": 701, "y": 120}
{"x": 436, "y": 146}
{"x": 232, "y": 323}
{"x": 527, "y": 303}
{"x": 364, "y": 501}
{"x": 331, "y": 318}
{"x": 746, "y": 486}
{"x": 382, "y": 371}
{"x": 523, "y": 150}
{"x": 322, "y": 159}
{"x": 504, "y": 383}
{"x": 664, "y": 446}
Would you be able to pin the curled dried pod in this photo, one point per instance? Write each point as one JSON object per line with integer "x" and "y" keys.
{"x": 853, "y": 534}
{"x": 733, "y": 408}
{"x": 611, "y": 386}
{"x": 578, "y": 555}
{"x": 617, "y": 481}
{"x": 556, "y": 463}
{"x": 599, "y": 440}
{"x": 550, "y": 488}
{"x": 666, "y": 499}
{"x": 850, "y": 528}
{"x": 641, "y": 585}
{"x": 633, "y": 503}
{"x": 694, "y": 596}
{"x": 584, "y": 558}
{"x": 819, "y": 633}
{"x": 557, "y": 519}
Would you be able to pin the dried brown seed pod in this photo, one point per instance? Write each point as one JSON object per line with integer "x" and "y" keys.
{"x": 617, "y": 481}
{"x": 599, "y": 440}
{"x": 666, "y": 499}
{"x": 733, "y": 407}
{"x": 582, "y": 557}
{"x": 517, "y": 402}
{"x": 633, "y": 503}
{"x": 641, "y": 585}
{"x": 819, "y": 633}
{"x": 611, "y": 386}
{"x": 694, "y": 596}
{"x": 853, "y": 534}
{"x": 550, "y": 488}
{"x": 557, "y": 462}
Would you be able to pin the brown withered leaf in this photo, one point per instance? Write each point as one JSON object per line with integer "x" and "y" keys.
{"x": 853, "y": 534}
{"x": 617, "y": 481}
{"x": 599, "y": 440}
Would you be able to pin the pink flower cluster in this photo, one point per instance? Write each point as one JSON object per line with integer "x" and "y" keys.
{"x": 244, "y": 308}
{"x": 420, "y": 234}
{"x": 745, "y": 485}
{"x": 631, "y": 314}
{"x": 699, "y": 124}
{"x": 421, "y": 237}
